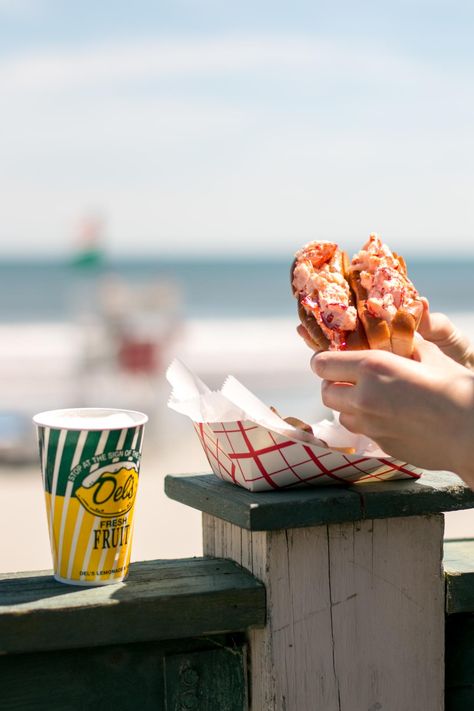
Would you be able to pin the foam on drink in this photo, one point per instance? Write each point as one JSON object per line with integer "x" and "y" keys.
{"x": 90, "y": 418}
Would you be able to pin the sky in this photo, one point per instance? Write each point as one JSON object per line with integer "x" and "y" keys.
{"x": 233, "y": 128}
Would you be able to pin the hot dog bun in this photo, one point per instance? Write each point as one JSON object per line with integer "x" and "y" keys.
{"x": 376, "y": 330}
{"x": 388, "y": 304}
{"x": 367, "y": 303}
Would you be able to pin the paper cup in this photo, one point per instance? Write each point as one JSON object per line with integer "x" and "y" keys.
{"x": 90, "y": 459}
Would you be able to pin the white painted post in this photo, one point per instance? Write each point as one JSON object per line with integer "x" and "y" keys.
{"x": 355, "y": 613}
{"x": 355, "y": 587}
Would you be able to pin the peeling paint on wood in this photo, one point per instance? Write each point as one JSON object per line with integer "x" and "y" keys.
{"x": 355, "y": 614}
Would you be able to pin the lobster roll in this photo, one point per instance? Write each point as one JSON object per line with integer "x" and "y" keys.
{"x": 326, "y": 305}
{"x": 367, "y": 303}
{"x": 388, "y": 304}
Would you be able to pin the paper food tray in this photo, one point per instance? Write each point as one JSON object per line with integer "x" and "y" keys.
{"x": 274, "y": 455}
{"x": 260, "y": 459}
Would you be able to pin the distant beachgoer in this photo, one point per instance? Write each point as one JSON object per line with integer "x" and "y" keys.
{"x": 419, "y": 410}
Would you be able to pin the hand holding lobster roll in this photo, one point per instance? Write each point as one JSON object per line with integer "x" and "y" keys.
{"x": 419, "y": 410}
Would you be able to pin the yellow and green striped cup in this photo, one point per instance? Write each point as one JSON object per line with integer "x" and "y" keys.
{"x": 90, "y": 461}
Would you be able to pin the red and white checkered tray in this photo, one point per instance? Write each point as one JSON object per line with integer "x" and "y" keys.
{"x": 249, "y": 445}
{"x": 251, "y": 456}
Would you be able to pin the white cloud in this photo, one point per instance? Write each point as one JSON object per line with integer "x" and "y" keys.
{"x": 126, "y": 62}
{"x": 218, "y": 170}
{"x": 276, "y": 193}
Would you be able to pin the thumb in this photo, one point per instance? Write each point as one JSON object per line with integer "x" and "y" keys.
{"x": 425, "y": 351}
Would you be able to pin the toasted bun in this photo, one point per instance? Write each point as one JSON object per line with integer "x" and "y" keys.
{"x": 313, "y": 334}
{"x": 357, "y": 340}
{"x": 299, "y": 424}
{"x": 376, "y": 330}
{"x": 404, "y": 324}
{"x": 403, "y": 264}
{"x": 316, "y": 338}
{"x": 398, "y": 336}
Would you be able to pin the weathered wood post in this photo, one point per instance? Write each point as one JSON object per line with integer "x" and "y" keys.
{"x": 355, "y": 588}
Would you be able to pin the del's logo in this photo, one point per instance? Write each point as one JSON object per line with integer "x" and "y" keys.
{"x": 109, "y": 491}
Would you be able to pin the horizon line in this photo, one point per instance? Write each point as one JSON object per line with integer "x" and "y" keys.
{"x": 209, "y": 256}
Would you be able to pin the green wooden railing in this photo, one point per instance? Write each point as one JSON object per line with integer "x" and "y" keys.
{"x": 459, "y": 573}
{"x": 171, "y": 637}
{"x": 207, "y": 634}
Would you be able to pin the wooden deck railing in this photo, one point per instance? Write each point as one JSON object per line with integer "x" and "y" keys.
{"x": 355, "y": 589}
{"x": 339, "y": 603}
{"x": 171, "y": 637}
{"x": 459, "y": 574}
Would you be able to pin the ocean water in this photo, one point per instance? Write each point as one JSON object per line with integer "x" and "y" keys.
{"x": 243, "y": 288}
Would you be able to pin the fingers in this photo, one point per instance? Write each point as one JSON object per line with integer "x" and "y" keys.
{"x": 426, "y": 352}
{"x": 340, "y": 366}
{"x": 338, "y": 396}
{"x": 303, "y": 333}
{"x": 424, "y": 327}
{"x": 436, "y": 327}
{"x": 350, "y": 422}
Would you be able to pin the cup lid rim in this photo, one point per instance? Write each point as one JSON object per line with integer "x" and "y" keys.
{"x": 47, "y": 417}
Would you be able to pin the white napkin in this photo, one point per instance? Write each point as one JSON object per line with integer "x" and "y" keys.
{"x": 193, "y": 398}
{"x": 234, "y": 403}
{"x": 336, "y": 435}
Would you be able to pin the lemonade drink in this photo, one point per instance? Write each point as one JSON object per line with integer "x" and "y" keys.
{"x": 90, "y": 460}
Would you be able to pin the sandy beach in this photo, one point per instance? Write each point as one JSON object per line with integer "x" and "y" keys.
{"x": 164, "y": 528}
{"x": 264, "y": 354}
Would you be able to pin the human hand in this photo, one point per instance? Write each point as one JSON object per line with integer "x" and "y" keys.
{"x": 420, "y": 410}
{"x": 434, "y": 327}
{"x": 303, "y": 333}
{"x": 438, "y": 329}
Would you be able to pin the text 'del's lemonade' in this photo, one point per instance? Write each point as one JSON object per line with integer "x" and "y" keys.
{"x": 90, "y": 461}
